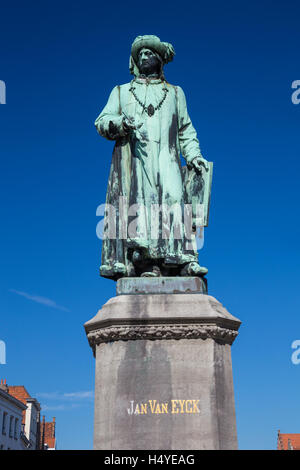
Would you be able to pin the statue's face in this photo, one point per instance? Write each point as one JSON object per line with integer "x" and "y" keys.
{"x": 148, "y": 63}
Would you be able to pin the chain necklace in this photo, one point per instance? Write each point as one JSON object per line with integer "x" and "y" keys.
{"x": 150, "y": 109}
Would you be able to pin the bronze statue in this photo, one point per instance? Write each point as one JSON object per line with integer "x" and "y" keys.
{"x": 150, "y": 195}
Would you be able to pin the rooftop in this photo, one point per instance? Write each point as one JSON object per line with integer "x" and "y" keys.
{"x": 288, "y": 441}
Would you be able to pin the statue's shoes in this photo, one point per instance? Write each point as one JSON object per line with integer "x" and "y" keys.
{"x": 119, "y": 268}
{"x": 110, "y": 271}
{"x": 193, "y": 269}
{"x": 106, "y": 270}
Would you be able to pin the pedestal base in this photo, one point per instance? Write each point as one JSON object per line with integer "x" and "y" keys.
{"x": 163, "y": 373}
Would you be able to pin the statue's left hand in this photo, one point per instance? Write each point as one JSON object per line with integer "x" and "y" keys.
{"x": 199, "y": 163}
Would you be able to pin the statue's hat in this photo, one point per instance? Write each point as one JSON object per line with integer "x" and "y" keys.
{"x": 164, "y": 49}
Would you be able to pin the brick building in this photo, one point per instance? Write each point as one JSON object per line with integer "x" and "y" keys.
{"x": 288, "y": 441}
{"x": 40, "y": 435}
{"x": 47, "y": 435}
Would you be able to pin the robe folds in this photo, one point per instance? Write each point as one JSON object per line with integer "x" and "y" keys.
{"x": 146, "y": 174}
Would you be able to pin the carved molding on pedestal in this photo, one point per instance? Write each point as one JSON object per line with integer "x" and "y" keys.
{"x": 160, "y": 332}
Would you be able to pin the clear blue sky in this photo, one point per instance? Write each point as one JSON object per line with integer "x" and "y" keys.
{"x": 236, "y": 62}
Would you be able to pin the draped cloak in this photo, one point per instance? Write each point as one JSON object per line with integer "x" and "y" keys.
{"x": 146, "y": 172}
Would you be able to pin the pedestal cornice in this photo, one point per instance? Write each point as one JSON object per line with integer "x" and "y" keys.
{"x": 162, "y": 317}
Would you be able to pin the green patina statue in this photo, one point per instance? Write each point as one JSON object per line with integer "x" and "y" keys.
{"x": 152, "y": 199}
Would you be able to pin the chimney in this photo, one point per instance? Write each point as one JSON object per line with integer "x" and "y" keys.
{"x": 42, "y": 434}
{"x": 53, "y": 427}
{"x": 4, "y": 386}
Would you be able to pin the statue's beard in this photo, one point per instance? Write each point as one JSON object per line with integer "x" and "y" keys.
{"x": 150, "y": 66}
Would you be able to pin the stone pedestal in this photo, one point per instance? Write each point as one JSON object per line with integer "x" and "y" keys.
{"x": 163, "y": 370}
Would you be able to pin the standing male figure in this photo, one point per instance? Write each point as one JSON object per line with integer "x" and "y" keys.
{"x": 149, "y": 121}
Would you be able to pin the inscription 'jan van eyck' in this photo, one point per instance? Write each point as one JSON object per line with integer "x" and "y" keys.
{"x": 169, "y": 407}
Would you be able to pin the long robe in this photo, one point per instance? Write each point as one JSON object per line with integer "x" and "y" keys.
{"x": 146, "y": 171}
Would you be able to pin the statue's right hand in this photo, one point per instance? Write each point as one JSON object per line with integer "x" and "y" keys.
{"x": 128, "y": 125}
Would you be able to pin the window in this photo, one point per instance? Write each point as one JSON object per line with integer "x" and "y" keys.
{"x": 4, "y": 423}
{"x": 11, "y": 421}
{"x": 16, "y": 428}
